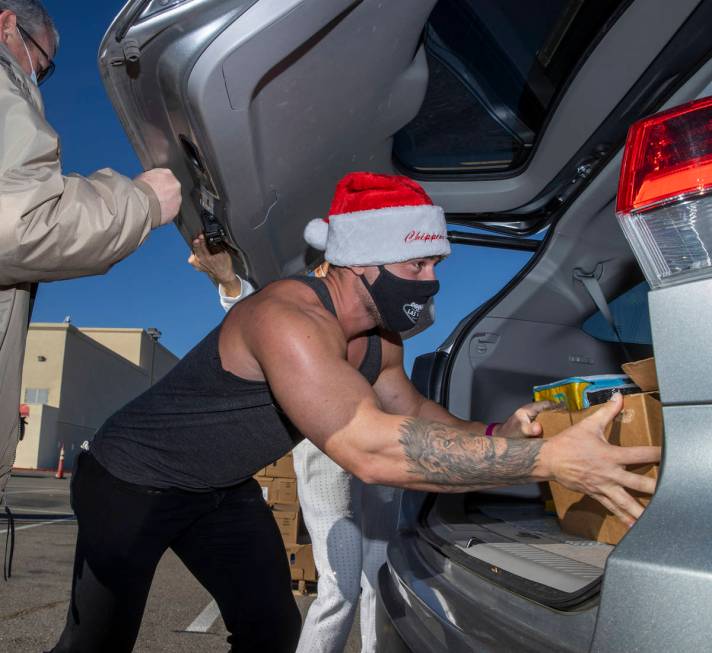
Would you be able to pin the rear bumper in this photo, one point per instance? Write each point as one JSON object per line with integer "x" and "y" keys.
{"x": 415, "y": 622}
{"x": 388, "y": 639}
{"x": 428, "y": 604}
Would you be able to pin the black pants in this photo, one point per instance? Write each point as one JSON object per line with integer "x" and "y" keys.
{"x": 228, "y": 539}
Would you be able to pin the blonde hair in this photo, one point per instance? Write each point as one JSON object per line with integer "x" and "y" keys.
{"x": 321, "y": 270}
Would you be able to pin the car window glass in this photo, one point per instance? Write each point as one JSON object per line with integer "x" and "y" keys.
{"x": 631, "y": 315}
{"x": 495, "y": 70}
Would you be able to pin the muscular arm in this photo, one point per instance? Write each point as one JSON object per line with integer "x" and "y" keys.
{"x": 333, "y": 405}
{"x": 452, "y": 458}
{"x": 399, "y": 396}
{"x": 302, "y": 354}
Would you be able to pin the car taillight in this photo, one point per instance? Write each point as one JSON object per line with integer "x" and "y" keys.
{"x": 665, "y": 193}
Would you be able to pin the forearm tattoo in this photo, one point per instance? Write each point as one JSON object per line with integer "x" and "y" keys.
{"x": 446, "y": 455}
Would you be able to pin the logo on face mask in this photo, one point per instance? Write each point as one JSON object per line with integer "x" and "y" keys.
{"x": 413, "y": 311}
{"x": 399, "y": 301}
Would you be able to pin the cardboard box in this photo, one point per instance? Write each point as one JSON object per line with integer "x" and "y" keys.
{"x": 278, "y": 490}
{"x": 266, "y": 485}
{"x": 282, "y": 468}
{"x": 639, "y": 423}
{"x": 301, "y": 562}
{"x": 284, "y": 490}
{"x": 287, "y": 522}
{"x": 643, "y": 373}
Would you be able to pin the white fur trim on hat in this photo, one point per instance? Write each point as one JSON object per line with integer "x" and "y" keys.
{"x": 315, "y": 233}
{"x": 382, "y": 236}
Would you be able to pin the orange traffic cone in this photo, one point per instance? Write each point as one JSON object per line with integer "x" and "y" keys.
{"x": 60, "y": 465}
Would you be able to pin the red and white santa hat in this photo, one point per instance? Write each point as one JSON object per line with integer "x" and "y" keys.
{"x": 379, "y": 219}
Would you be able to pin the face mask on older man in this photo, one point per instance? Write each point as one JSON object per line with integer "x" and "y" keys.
{"x": 33, "y": 76}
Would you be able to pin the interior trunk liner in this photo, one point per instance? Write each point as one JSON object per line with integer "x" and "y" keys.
{"x": 515, "y": 543}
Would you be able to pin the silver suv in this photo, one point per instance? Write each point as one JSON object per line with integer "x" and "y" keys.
{"x": 513, "y": 115}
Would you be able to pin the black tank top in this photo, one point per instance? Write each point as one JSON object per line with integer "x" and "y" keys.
{"x": 201, "y": 427}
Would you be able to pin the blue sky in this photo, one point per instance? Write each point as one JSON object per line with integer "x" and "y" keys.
{"x": 155, "y": 287}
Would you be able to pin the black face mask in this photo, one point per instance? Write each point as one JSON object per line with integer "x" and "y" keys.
{"x": 399, "y": 301}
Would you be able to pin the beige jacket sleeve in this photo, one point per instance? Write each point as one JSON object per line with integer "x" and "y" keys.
{"x": 54, "y": 226}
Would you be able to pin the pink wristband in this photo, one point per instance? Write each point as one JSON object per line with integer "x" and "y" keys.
{"x": 491, "y": 427}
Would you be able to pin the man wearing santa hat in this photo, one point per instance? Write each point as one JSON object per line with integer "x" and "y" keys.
{"x": 349, "y": 522}
{"x": 304, "y": 357}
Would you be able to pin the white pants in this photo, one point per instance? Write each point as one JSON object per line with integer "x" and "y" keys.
{"x": 350, "y": 524}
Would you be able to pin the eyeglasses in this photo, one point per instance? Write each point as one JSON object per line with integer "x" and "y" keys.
{"x": 46, "y": 72}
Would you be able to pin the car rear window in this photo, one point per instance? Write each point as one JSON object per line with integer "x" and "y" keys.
{"x": 496, "y": 69}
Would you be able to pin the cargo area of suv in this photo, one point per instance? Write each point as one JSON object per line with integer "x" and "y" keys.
{"x": 512, "y": 536}
{"x": 514, "y": 579}
{"x": 544, "y": 328}
{"x": 503, "y": 550}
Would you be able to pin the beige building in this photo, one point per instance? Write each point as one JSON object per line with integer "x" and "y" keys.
{"x": 73, "y": 379}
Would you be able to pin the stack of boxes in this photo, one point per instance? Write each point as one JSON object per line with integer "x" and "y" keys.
{"x": 279, "y": 488}
{"x": 640, "y": 423}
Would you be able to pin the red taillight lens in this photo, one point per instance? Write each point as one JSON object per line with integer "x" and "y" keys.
{"x": 665, "y": 194}
{"x": 667, "y": 156}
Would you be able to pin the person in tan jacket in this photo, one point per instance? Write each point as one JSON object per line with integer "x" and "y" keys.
{"x": 52, "y": 226}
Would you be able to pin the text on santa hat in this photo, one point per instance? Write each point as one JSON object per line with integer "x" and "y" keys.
{"x": 419, "y": 235}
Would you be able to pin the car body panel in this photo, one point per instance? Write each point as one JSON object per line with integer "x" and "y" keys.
{"x": 264, "y": 105}
{"x": 659, "y": 579}
{"x": 277, "y": 101}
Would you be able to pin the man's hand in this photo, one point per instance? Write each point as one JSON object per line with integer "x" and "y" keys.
{"x": 581, "y": 459}
{"x": 521, "y": 424}
{"x": 167, "y": 189}
{"x": 218, "y": 266}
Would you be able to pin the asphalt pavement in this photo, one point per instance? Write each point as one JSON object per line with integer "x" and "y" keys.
{"x": 180, "y": 615}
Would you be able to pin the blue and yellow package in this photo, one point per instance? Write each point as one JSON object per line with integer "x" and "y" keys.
{"x": 580, "y": 392}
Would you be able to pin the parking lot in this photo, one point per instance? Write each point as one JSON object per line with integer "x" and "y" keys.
{"x": 180, "y": 615}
